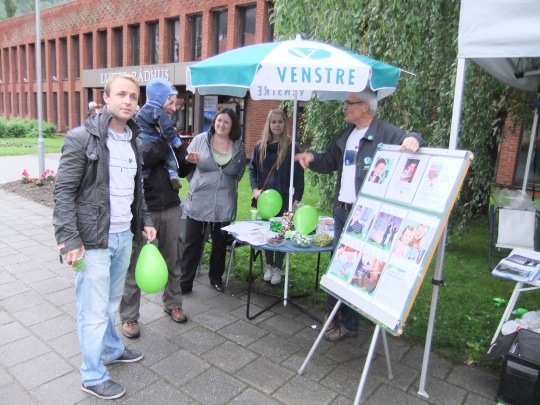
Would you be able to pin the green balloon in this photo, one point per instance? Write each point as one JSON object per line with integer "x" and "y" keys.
{"x": 269, "y": 204}
{"x": 151, "y": 271}
{"x": 305, "y": 219}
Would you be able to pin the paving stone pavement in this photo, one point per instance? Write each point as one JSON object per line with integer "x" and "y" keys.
{"x": 217, "y": 357}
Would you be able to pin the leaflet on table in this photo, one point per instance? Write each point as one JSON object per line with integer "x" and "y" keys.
{"x": 381, "y": 254}
{"x": 521, "y": 265}
{"x": 241, "y": 227}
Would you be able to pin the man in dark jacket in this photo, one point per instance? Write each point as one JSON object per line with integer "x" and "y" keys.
{"x": 164, "y": 206}
{"x": 350, "y": 153}
{"x": 99, "y": 213}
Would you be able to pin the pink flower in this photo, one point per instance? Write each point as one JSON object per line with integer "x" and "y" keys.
{"x": 25, "y": 173}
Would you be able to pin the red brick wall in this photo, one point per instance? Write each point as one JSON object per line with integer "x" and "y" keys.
{"x": 508, "y": 153}
{"x": 82, "y": 17}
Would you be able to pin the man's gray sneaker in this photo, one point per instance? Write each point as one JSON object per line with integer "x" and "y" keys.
{"x": 129, "y": 356}
{"x": 105, "y": 390}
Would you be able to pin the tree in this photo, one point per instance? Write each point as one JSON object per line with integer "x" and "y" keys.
{"x": 419, "y": 36}
{"x": 11, "y": 8}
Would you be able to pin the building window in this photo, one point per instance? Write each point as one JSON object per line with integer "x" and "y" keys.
{"x": 247, "y": 25}
{"x": 1, "y": 71}
{"x": 78, "y": 120}
{"x": 43, "y": 64}
{"x": 26, "y": 105}
{"x": 76, "y": 51}
{"x": 44, "y": 106}
{"x": 52, "y": 48}
{"x": 102, "y": 48}
{"x": 6, "y": 61}
{"x": 33, "y": 63}
{"x": 10, "y": 104}
{"x": 196, "y": 37}
{"x": 174, "y": 40}
{"x": 135, "y": 33}
{"x": 118, "y": 34}
{"x": 89, "y": 45}
{"x": 271, "y": 17}
{"x": 64, "y": 57}
{"x": 66, "y": 111}
{"x": 35, "y": 105}
{"x": 220, "y": 31}
{"x": 2, "y": 103}
{"x": 55, "y": 108}
{"x": 24, "y": 72}
{"x": 14, "y": 61}
{"x": 534, "y": 168}
{"x": 153, "y": 42}
{"x": 17, "y": 104}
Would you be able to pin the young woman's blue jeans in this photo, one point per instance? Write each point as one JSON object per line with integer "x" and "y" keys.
{"x": 98, "y": 288}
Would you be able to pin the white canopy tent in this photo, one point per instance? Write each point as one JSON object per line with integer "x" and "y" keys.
{"x": 502, "y": 37}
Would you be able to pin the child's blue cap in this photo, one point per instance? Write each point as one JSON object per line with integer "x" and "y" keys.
{"x": 159, "y": 90}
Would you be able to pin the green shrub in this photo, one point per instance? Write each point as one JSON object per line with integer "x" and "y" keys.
{"x": 25, "y": 128}
{"x": 17, "y": 128}
{"x": 3, "y": 127}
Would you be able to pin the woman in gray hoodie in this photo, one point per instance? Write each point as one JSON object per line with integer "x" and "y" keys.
{"x": 213, "y": 196}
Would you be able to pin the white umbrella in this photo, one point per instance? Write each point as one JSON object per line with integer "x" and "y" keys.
{"x": 291, "y": 70}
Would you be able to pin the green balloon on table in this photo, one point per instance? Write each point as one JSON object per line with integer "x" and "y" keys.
{"x": 305, "y": 219}
{"x": 269, "y": 204}
{"x": 151, "y": 270}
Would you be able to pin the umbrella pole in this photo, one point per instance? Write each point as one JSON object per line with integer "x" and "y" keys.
{"x": 291, "y": 193}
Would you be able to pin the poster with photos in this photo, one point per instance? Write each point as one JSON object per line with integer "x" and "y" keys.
{"x": 387, "y": 242}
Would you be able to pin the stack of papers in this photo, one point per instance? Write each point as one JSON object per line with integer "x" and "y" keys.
{"x": 521, "y": 265}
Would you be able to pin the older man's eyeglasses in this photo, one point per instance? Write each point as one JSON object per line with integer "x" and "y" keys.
{"x": 348, "y": 103}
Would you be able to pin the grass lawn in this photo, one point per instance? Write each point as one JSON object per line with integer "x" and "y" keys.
{"x": 29, "y": 146}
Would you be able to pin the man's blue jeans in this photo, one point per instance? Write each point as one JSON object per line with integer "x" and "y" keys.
{"x": 98, "y": 288}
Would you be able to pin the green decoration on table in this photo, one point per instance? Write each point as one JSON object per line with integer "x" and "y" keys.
{"x": 306, "y": 219}
{"x": 269, "y": 204}
{"x": 151, "y": 271}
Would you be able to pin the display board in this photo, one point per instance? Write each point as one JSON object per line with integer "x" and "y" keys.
{"x": 393, "y": 230}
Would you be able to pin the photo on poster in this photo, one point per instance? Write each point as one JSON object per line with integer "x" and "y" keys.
{"x": 385, "y": 228}
{"x": 344, "y": 262}
{"x": 367, "y": 274}
{"x": 437, "y": 183}
{"x": 360, "y": 221}
{"x": 409, "y": 172}
{"x": 380, "y": 172}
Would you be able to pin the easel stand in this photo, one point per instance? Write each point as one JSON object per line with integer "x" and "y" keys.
{"x": 369, "y": 357}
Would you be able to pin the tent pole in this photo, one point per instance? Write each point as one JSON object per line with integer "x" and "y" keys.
{"x": 531, "y": 147}
{"x": 437, "y": 277}
{"x": 458, "y": 100}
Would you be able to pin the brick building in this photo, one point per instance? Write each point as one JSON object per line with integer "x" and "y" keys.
{"x": 83, "y": 43}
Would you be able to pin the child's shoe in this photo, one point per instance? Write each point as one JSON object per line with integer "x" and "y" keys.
{"x": 175, "y": 182}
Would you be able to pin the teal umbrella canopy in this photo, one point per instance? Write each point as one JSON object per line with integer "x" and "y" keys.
{"x": 276, "y": 70}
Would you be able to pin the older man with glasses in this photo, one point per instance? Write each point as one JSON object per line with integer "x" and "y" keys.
{"x": 351, "y": 152}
